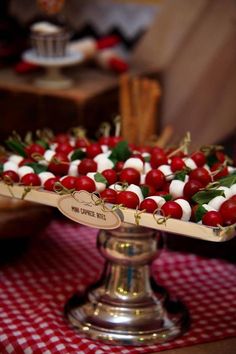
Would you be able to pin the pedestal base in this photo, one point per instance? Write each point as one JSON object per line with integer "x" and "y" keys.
{"x": 125, "y": 307}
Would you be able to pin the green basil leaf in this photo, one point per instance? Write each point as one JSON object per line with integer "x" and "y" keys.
{"x": 167, "y": 197}
{"x": 203, "y": 197}
{"x": 228, "y": 181}
{"x": 1, "y": 168}
{"x": 180, "y": 175}
{"x": 147, "y": 158}
{"x": 78, "y": 155}
{"x": 120, "y": 152}
{"x": 199, "y": 213}
{"x": 100, "y": 178}
{"x": 42, "y": 143}
{"x": 37, "y": 167}
{"x": 145, "y": 191}
{"x": 16, "y": 147}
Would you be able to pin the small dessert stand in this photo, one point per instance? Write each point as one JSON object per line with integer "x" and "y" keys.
{"x": 53, "y": 78}
{"x": 125, "y": 306}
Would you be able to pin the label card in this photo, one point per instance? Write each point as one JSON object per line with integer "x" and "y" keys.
{"x": 85, "y": 209}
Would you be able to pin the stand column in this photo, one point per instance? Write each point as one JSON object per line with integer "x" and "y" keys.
{"x": 125, "y": 307}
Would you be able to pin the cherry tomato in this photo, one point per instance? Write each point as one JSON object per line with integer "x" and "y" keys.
{"x": 110, "y": 176}
{"x": 130, "y": 175}
{"x": 81, "y": 143}
{"x": 220, "y": 156}
{"x": 104, "y": 140}
{"x": 156, "y": 179}
{"x": 191, "y": 188}
{"x": 61, "y": 164}
{"x": 143, "y": 149}
{"x": 50, "y": 183}
{"x": 119, "y": 166}
{"x": 65, "y": 148}
{"x": 151, "y": 189}
{"x": 158, "y": 158}
{"x": 87, "y": 165}
{"x": 172, "y": 209}
{"x": 93, "y": 150}
{"x": 69, "y": 182}
{"x": 114, "y": 140}
{"x": 223, "y": 170}
{"x": 233, "y": 198}
{"x": 109, "y": 195}
{"x": 212, "y": 218}
{"x": 61, "y": 138}
{"x": 10, "y": 176}
{"x": 177, "y": 164}
{"x": 31, "y": 179}
{"x": 149, "y": 205}
{"x": 228, "y": 212}
{"x": 138, "y": 156}
{"x": 85, "y": 183}
{"x": 199, "y": 158}
{"x": 200, "y": 174}
{"x": 128, "y": 199}
{"x": 25, "y": 161}
{"x": 34, "y": 149}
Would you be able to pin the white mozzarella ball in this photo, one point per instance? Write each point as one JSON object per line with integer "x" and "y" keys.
{"x": 227, "y": 191}
{"x": 102, "y": 156}
{"x": 117, "y": 187}
{"x": 48, "y": 155}
{"x": 134, "y": 162}
{"x": 208, "y": 207}
{"x": 159, "y": 200}
{"x": 24, "y": 170}
{"x": 147, "y": 167}
{"x": 186, "y": 209}
{"x": 16, "y": 159}
{"x": 231, "y": 169}
{"x": 233, "y": 189}
{"x": 216, "y": 202}
{"x": 142, "y": 178}
{"x": 166, "y": 170}
{"x": 104, "y": 164}
{"x": 105, "y": 148}
{"x": 53, "y": 146}
{"x": 70, "y": 154}
{"x": 186, "y": 179}
{"x": 44, "y": 176}
{"x": 10, "y": 165}
{"x": 136, "y": 190}
{"x": 190, "y": 163}
{"x": 100, "y": 186}
{"x": 73, "y": 168}
{"x": 145, "y": 154}
{"x": 176, "y": 188}
{"x": 72, "y": 142}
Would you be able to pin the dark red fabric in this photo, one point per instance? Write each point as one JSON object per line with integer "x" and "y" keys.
{"x": 34, "y": 289}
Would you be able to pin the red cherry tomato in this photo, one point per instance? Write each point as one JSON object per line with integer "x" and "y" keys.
{"x": 228, "y": 212}
{"x": 34, "y": 149}
{"x": 199, "y": 158}
{"x": 61, "y": 138}
{"x": 130, "y": 175}
{"x": 87, "y": 165}
{"x": 61, "y": 164}
{"x": 31, "y": 179}
{"x": 25, "y": 161}
{"x": 138, "y": 156}
{"x": 65, "y": 148}
{"x": 149, "y": 205}
{"x": 158, "y": 158}
{"x": 81, "y": 143}
{"x": 69, "y": 182}
{"x": 220, "y": 156}
{"x": 202, "y": 175}
{"x": 109, "y": 195}
{"x": 119, "y": 166}
{"x": 50, "y": 183}
{"x": 114, "y": 140}
{"x": 191, "y": 188}
{"x": 212, "y": 218}
{"x": 110, "y": 176}
{"x": 233, "y": 198}
{"x": 10, "y": 176}
{"x": 93, "y": 150}
{"x": 128, "y": 199}
{"x": 223, "y": 170}
{"x": 143, "y": 149}
{"x": 151, "y": 189}
{"x": 104, "y": 140}
{"x": 156, "y": 179}
{"x": 172, "y": 209}
{"x": 177, "y": 164}
{"x": 85, "y": 183}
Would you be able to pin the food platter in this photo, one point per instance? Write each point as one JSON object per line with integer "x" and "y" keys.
{"x": 179, "y": 227}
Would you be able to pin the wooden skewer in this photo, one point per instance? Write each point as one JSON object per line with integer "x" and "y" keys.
{"x": 165, "y": 136}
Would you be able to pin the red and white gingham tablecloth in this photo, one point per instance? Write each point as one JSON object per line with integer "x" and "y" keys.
{"x": 35, "y": 287}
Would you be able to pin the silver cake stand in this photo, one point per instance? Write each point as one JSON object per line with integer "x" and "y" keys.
{"x": 126, "y": 306}
{"x": 53, "y": 77}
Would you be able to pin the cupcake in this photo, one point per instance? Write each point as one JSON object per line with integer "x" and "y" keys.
{"x": 49, "y": 40}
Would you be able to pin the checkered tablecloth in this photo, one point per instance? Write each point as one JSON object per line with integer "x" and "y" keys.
{"x": 35, "y": 287}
